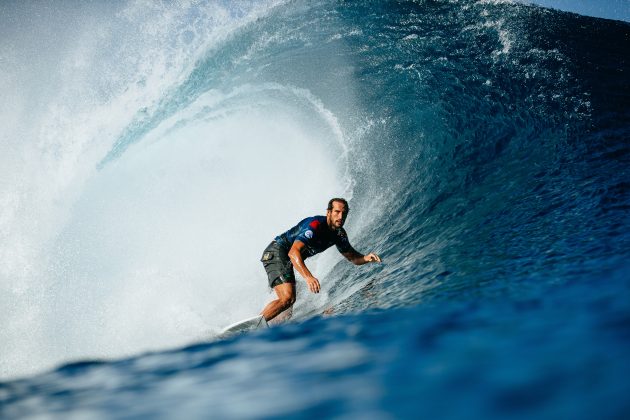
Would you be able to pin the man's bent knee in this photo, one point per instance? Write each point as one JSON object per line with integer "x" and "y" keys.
{"x": 286, "y": 301}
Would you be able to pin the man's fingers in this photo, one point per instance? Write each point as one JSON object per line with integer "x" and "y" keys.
{"x": 313, "y": 285}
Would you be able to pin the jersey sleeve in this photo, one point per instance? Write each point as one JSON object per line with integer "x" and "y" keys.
{"x": 342, "y": 242}
{"x": 307, "y": 231}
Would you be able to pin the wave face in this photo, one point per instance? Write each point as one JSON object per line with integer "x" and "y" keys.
{"x": 150, "y": 153}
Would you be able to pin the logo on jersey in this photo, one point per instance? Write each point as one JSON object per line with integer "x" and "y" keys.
{"x": 308, "y": 234}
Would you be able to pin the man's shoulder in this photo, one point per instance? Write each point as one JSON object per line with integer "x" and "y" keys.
{"x": 310, "y": 227}
{"x": 313, "y": 222}
{"x": 341, "y": 233}
{"x": 342, "y": 241}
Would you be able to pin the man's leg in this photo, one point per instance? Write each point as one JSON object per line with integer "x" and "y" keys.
{"x": 283, "y": 317}
{"x": 286, "y": 299}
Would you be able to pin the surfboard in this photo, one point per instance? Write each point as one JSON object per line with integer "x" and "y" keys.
{"x": 253, "y": 323}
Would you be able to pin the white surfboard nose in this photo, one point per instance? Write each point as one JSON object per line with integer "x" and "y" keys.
{"x": 248, "y": 324}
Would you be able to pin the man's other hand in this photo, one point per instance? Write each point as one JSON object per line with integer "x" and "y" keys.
{"x": 372, "y": 257}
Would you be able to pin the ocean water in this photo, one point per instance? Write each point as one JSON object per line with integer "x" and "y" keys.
{"x": 151, "y": 151}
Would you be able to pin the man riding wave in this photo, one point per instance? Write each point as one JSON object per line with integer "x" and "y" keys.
{"x": 309, "y": 237}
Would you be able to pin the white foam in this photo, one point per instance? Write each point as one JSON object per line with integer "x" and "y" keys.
{"x": 161, "y": 246}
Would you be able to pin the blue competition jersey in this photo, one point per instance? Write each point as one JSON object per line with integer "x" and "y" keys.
{"x": 315, "y": 234}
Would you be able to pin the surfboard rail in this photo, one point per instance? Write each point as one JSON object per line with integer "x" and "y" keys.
{"x": 249, "y": 324}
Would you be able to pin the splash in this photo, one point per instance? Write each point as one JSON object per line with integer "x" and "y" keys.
{"x": 122, "y": 240}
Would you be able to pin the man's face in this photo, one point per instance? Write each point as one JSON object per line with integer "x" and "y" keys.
{"x": 337, "y": 216}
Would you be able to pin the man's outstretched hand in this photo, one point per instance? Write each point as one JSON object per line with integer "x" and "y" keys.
{"x": 313, "y": 284}
{"x": 372, "y": 257}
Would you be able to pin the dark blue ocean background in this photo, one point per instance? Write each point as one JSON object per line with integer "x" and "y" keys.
{"x": 486, "y": 149}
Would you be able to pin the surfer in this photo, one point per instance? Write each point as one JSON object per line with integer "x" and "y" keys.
{"x": 309, "y": 237}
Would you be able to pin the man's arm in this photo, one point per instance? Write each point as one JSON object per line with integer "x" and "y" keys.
{"x": 357, "y": 258}
{"x": 295, "y": 254}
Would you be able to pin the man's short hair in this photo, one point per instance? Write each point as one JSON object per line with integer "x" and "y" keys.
{"x": 340, "y": 200}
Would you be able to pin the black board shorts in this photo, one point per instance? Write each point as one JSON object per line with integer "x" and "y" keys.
{"x": 278, "y": 265}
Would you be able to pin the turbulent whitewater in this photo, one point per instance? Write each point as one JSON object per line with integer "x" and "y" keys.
{"x": 149, "y": 152}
